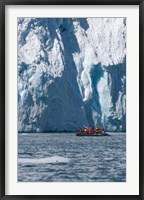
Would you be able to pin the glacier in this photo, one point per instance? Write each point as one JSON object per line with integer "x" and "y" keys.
{"x": 71, "y": 74}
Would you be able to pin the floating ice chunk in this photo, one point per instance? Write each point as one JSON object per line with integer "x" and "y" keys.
{"x": 53, "y": 159}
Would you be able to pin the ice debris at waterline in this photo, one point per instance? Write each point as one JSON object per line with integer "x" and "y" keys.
{"x": 71, "y": 74}
{"x": 53, "y": 159}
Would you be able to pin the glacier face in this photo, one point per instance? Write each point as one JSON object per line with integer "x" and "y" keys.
{"x": 71, "y": 74}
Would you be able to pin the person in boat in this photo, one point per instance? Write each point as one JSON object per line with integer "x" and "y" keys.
{"x": 85, "y": 130}
{"x": 102, "y": 131}
{"x": 91, "y": 130}
{"x": 80, "y": 130}
{"x": 97, "y": 129}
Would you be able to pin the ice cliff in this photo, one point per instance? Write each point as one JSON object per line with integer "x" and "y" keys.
{"x": 71, "y": 74}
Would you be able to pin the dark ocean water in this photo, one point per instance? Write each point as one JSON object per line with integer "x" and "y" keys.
{"x": 65, "y": 157}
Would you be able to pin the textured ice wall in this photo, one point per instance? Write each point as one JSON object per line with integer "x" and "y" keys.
{"x": 71, "y": 74}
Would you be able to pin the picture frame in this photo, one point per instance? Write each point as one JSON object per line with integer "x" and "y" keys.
{"x": 3, "y": 88}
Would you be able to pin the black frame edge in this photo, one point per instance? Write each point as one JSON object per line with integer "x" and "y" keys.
{"x": 71, "y": 2}
{"x": 2, "y": 101}
{"x": 141, "y": 100}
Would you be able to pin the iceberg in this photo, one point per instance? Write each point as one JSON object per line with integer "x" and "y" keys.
{"x": 71, "y": 74}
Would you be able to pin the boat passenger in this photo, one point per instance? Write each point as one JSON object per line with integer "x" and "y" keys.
{"x": 80, "y": 130}
{"x": 97, "y": 129}
{"x": 102, "y": 131}
{"x": 91, "y": 130}
{"x": 85, "y": 130}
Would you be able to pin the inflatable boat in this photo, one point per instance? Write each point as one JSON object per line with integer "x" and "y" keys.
{"x": 92, "y": 134}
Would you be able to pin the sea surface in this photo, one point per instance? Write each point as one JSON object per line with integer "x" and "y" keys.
{"x": 65, "y": 157}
